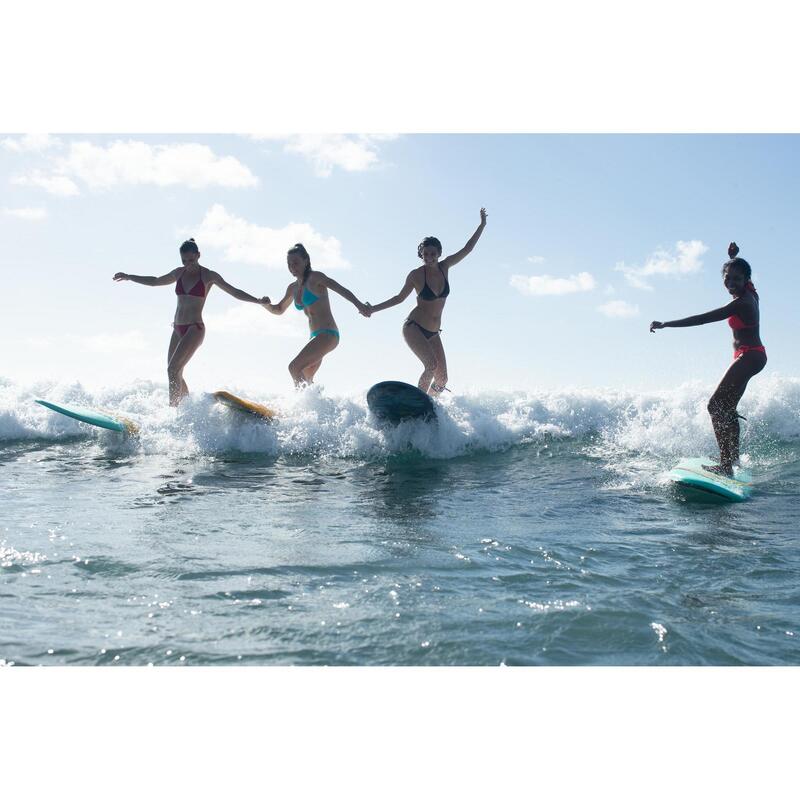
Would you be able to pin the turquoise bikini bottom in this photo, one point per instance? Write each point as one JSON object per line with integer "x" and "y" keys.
{"x": 317, "y": 332}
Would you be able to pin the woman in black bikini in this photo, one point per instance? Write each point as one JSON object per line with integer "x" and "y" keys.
{"x": 749, "y": 356}
{"x": 192, "y": 285}
{"x": 432, "y": 285}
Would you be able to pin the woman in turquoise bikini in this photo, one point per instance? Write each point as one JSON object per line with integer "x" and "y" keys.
{"x": 309, "y": 292}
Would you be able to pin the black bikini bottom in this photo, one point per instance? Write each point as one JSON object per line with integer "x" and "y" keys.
{"x": 425, "y": 332}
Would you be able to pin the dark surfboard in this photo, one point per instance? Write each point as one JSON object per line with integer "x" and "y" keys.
{"x": 394, "y": 401}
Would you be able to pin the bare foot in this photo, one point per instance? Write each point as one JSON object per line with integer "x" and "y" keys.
{"x": 718, "y": 469}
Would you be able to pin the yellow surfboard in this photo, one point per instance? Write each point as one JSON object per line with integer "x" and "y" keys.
{"x": 256, "y": 409}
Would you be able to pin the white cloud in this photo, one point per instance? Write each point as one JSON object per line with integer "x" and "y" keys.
{"x": 536, "y": 259}
{"x": 54, "y": 184}
{"x": 352, "y": 153}
{"x": 618, "y": 308}
{"x": 249, "y": 320}
{"x": 28, "y": 214}
{"x": 132, "y": 163}
{"x": 684, "y": 260}
{"x": 30, "y": 143}
{"x": 547, "y": 285}
{"x": 250, "y": 243}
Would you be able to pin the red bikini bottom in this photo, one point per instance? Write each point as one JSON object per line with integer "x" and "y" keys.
{"x": 746, "y": 348}
{"x": 182, "y": 329}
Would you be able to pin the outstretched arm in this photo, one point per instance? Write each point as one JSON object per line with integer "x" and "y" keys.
{"x": 281, "y": 305}
{"x": 217, "y": 279}
{"x": 408, "y": 287}
{"x": 331, "y": 284}
{"x": 716, "y": 315}
{"x": 467, "y": 248}
{"x": 149, "y": 280}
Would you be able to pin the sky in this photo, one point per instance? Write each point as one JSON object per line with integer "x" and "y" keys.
{"x": 589, "y": 238}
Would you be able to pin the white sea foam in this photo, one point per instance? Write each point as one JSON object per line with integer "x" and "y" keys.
{"x": 623, "y": 424}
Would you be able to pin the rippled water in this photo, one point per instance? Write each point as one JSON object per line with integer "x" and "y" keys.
{"x": 520, "y": 531}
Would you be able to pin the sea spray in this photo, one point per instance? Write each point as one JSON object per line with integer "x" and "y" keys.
{"x": 613, "y": 424}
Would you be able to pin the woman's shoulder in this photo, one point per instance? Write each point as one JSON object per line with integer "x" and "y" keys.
{"x": 316, "y": 278}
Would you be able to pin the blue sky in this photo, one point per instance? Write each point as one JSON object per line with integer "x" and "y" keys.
{"x": 589, "y": 238}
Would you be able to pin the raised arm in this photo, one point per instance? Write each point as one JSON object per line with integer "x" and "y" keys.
{"x": 467, "y": 248}
{"x": 217, "y": 279}
{"x": 281, "y": 305}
{"x": 716, "y": 315}
{"x": 408, "y": 287}
{"x": 149, "y": 280}
{"x": 331, "y": 284}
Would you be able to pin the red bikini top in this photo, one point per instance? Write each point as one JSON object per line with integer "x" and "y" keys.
{"x": 734, "y": 321}
{"x": 737, "y": 323}
{"x": 198, "y": 290}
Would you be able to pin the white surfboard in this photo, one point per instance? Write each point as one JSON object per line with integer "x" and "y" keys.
{"x": 690, "y": 472}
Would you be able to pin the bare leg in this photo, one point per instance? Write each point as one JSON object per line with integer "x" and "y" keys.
{"x": 310, "y": 371}
{"x": 311, "y": 356}
{"x": 440, "y": 370}
{"x": 174, "y": 341}
{"x": 421, "y": 348}
{"x": 179, "y": 357}
{"x": 723, "y": 403}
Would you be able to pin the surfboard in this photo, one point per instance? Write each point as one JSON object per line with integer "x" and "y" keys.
{"x": 101, "y": 419}
{"x": 247, "y": 406}
{"x": 394, "y": 401}
{"x": 689, "y": 472}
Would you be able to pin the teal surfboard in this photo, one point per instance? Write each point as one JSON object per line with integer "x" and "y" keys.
{"x": 110, "y": 421}
{"x": 689, "y": 472}
{"x": 394, "y": 401}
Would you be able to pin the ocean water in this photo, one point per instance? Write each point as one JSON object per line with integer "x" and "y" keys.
{"x": 519, "y": 529}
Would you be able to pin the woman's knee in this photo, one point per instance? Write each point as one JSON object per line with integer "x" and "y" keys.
{"x": 719, "y": 403}
{"x": 427, "y": 369}
{"x": 432, "y": 364}
{"x": 722, "y": 412}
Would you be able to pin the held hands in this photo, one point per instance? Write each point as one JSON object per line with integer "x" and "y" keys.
{"x": 264, "y": 301}
{"x": 655, "y": 326}
{"x": 365, "y": 309}
{"x": 120, "y": 276}
{"x": 483, "y": 216}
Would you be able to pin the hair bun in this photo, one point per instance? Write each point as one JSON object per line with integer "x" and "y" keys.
{"x": 733, "y": 250}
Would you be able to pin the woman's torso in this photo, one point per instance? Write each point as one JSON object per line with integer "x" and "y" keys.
{"x": 192, "y": 290}
{"x": 432, "y": 286}
{"x": 312, "y": 298}
{"x": 745, "y": 323}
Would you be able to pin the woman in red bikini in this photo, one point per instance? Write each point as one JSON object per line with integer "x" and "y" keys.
{"x": 749, "y": 356}
{"x": 192, "y": 285}
{"x": 432, "y": 285}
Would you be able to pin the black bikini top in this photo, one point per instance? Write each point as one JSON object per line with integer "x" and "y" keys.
{"x": 427, "y": 292}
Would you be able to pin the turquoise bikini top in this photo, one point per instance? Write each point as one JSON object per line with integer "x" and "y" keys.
{"x": 308, "y": 299}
